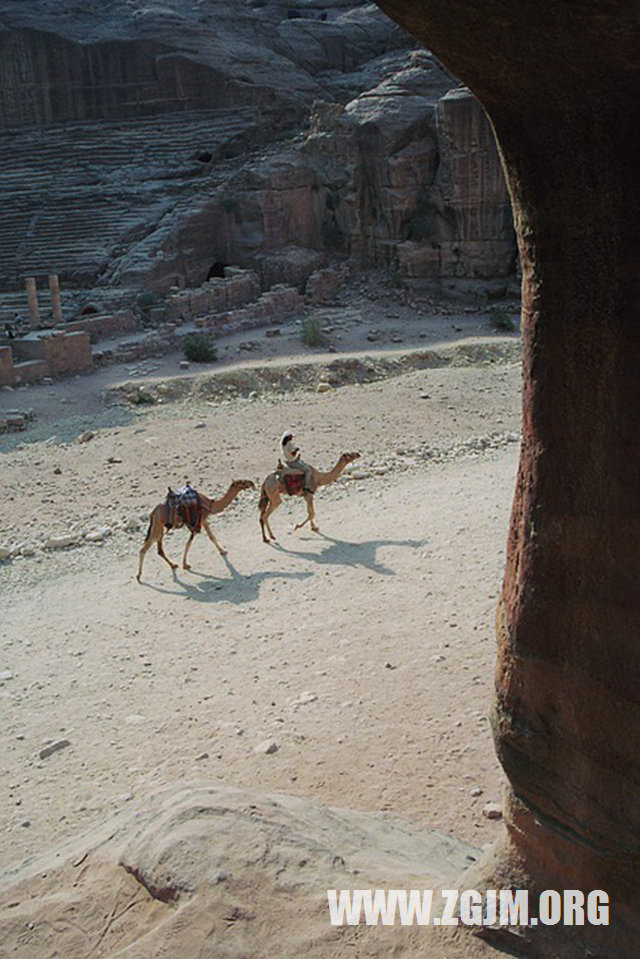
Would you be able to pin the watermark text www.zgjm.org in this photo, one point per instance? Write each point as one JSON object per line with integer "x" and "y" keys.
{"x": 451, "y": 907}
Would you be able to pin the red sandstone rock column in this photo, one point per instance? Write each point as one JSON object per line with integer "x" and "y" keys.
{"x": 561, "y": 84}
{"x": 54, "y": 289}
{"x": 32, "y": 300}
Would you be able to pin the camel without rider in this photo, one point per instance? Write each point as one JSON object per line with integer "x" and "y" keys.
{"x": 274, "y": 488}
{"x": 158, "y": 521}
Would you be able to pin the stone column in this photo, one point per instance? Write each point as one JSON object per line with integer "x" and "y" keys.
{"x": 56, "y": 307}
{"x": 32, "y": 300}
{"x": 561, "y": 84}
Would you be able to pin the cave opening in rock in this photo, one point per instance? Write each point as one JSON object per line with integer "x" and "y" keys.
{"x": 217, "y": 270}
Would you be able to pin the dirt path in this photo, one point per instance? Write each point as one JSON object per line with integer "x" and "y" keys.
{"x": 365, "y": 654}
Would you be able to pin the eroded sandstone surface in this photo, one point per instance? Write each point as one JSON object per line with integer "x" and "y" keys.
{"x": 215, "y": 870}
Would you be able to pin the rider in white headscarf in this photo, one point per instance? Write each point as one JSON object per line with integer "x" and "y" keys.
{"x": 290, "y": 455}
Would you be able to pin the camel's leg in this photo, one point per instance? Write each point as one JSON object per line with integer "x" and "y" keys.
{"x": 209, "y": 532}
{"x": 311, "y": 513}
{"x": 161, "y": 551}
{"x": 148, "y": 543}
{"x": 270, "y": 508}
{"x": 154, "y": 535}
{"x": 185, "y": 565}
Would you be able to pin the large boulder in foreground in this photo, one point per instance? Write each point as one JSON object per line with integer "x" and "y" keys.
{"x": 216, "y": 871}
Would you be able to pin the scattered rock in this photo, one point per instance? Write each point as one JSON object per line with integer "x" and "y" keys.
{"x": 184, "y": 364}
{"x": 53, "y": 748}
{"x": 323, "y": 387}
{"x": 492, "y": 810}
{"x": 24, "y": 549}
{"x": 476, "y": 791}
{"x": 134, "y": 719}
{"x": 15, "y": 423}
{"x": 5, "y": 675}
{"x": 267, "y": 748}
{"x": 5, "y": 553}
{"x": 304, "y": 699}
{"x": 60, "y": 542}
{"x": 97, "y": 536}
{"x": 202, "y": 756}
{"x": 86, "y": 436}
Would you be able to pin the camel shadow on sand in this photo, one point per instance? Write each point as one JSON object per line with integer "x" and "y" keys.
{"x": 237, "y": 588}
{"x": 343, "y": 553}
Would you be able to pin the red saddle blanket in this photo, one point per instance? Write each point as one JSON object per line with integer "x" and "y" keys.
{"x": 183, "y": 507}
{"x": 293, "y": 483}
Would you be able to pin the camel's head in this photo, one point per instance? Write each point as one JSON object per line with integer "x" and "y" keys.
{"x": 241, "y": 484}
{"x": 347, "y": 458}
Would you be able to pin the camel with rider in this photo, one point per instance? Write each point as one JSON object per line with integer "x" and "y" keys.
{"x": 288, "y": 482}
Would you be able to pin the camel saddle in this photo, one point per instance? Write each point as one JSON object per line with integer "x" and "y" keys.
{"x": 183, "y": 507}
{"x": 293, "y": 482}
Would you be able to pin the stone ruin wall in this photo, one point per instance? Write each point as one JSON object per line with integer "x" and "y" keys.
{"x": 55, "y": 354}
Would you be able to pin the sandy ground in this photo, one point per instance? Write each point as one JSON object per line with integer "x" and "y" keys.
{"x": 364, "y": 653}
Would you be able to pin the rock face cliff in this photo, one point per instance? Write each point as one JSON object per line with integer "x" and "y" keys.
{"x": 418, "y": 186}
{"x": 405, "y": 177}
{"x": 112, "y": 59}
{"x": 145, "y": 146}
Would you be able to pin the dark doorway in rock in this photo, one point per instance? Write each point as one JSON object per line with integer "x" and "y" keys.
{"x": 217, "y": 269}
{"x": 205, "y": 156}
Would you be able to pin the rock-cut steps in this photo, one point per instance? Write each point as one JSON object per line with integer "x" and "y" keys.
{"x": 72, "y": 194}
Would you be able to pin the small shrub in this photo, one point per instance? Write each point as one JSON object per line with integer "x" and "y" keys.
{"x": 146, "y": 301}
{"x": 500, "y": 320}
{"x": 198, "y": 348}
{"x": 229, "y": 204}
{"x": 311, "y": 333}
